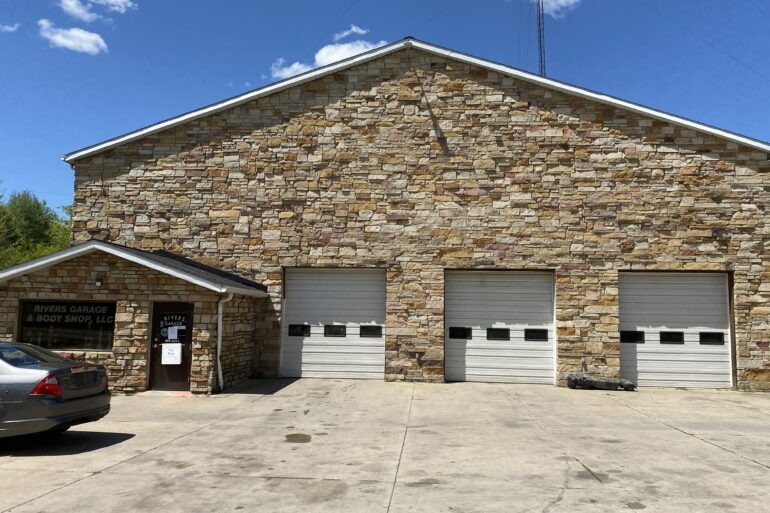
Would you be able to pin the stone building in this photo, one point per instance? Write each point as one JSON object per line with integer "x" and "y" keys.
{"x": 415, "y": 213}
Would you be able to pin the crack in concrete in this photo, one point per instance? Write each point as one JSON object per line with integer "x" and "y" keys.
{"x": 693, "y": 435}
{"x": 563, "y": 490}
{"x": 401, "y": 453}
{"x": 565, "y": 483}
{"x": 595, "y": 476}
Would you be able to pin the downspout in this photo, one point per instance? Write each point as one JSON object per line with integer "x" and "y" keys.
{"x": 220, "y": 324}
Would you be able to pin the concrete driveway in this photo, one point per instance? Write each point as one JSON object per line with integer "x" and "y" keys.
{"x": 357, "y": 446}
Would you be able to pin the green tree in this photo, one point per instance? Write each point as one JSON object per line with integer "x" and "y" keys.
{"x": 29, "y": 228}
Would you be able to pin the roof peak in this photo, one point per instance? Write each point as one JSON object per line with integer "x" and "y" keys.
{"x": 412, "y": 42}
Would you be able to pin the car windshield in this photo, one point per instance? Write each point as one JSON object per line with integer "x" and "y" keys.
{"x": 23, "y": 356}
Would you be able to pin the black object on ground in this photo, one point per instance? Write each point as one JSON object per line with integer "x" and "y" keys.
{"x": 593, "y": 382}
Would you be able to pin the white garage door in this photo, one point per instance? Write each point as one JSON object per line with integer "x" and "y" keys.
{"x": 499, "y": 326}
{"x": 333, "y": 324}
{"x": 675, "y": 330}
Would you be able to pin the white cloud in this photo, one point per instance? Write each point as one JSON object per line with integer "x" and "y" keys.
{"x": 279, "y": 70}
{"x": 78, "y": 10}
{"x": 558, "y": 8}
{"x": 338, "y": 51}
{"x": 119, "y": 6}
{"x": 75, "y": 39}
{"x": 328, "y": 54}
{"x": 81, "y": 9}
{"x": 9, "y": 28}
{"x": 354, "y": 29}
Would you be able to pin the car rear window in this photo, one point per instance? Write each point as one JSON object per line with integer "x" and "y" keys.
{"x": 21, "y": 356}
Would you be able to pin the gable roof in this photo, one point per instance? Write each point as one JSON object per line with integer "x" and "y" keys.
{"x": 410, "y": 42}
{"x": 162, "y": 261}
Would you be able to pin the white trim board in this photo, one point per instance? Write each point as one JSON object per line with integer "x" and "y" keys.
{"x": 430, "y": 48}
{"x": 92, "y": 246}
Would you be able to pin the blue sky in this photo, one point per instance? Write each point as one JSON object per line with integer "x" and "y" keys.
{"x": 75, "y": 72}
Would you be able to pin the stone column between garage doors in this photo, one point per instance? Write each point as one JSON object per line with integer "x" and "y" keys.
{"x": 587, "y": 322}
{"x": 414, "y": 335}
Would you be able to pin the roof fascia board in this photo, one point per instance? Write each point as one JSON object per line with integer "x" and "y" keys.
{"x": 445, "y": 52}
{"x": 161, "y": 268}
{"x": 90, "y": 247}
{"x": 46, "y": 261}
{"x": 245, "y": 292}
{"x": 591, "y": 95}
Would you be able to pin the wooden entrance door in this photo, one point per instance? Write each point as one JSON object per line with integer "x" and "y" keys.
{"x": 171, "y": 346}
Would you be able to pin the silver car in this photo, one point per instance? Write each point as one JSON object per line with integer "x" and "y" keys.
{"x": 41, "y": 391}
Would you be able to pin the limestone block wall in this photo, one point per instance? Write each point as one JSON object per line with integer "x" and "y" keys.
{"x": 418, "y": 164}
{"x": 134, "y": 289}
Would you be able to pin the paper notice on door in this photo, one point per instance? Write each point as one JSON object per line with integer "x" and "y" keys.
{"x": 171, "y": 354}
{"x": 173, "y": 333}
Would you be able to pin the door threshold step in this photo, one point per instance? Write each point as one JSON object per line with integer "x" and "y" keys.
{"x": 166, "y": 393}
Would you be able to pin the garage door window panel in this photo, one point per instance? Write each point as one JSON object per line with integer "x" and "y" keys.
{"x": 712, "y": 338}
{"x": 498, "y": 334}
{"x": 632, "y": 337}
{"x": 460, "y": 333}
{"x": 672, "y": 337}
{"x": 334, "y": 330}
{"x": 536, "y": 335}
{"x": 370, "y": 331}
{"x": 299, "y": 330}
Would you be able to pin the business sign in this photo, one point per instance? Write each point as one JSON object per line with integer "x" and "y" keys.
{"x": 173, "y": 327}
{"x": 68, "y": 324}
{"x": 69, "y": 314}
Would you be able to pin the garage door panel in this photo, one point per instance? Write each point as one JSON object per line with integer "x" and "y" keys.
{"x": 341, "y": 373}
{"x": 669, "y": 361}
{"x": 354, "y": 319}
{"x": 509, "y": 300}
{"x": 529, "y": 363}
{"x": 523, "y": 306}
{"x": 691, "y": 317}
{"x": 531, "y": 378}
{"x": 698, "y": 322}
{"x": 338, "y": 360}
{"x": 663, "y": 358}
{"x": 322, "y": 348}
{"x": 693, "y": 382}
{"x": 350, "y": 298}
{"x": 690, "y": 303}
{"x": 500, "y": 346}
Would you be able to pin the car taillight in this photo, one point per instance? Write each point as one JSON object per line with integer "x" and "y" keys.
{"x": 49, "y": 385}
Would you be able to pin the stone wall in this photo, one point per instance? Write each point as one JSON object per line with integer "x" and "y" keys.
{"x": 134, "y": 288}
{"x": 420, "y": 164}
{"x": 239, "y": 347}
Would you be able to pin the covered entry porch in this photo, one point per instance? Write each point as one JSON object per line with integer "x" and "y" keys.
{"x": 156, "y": 320}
